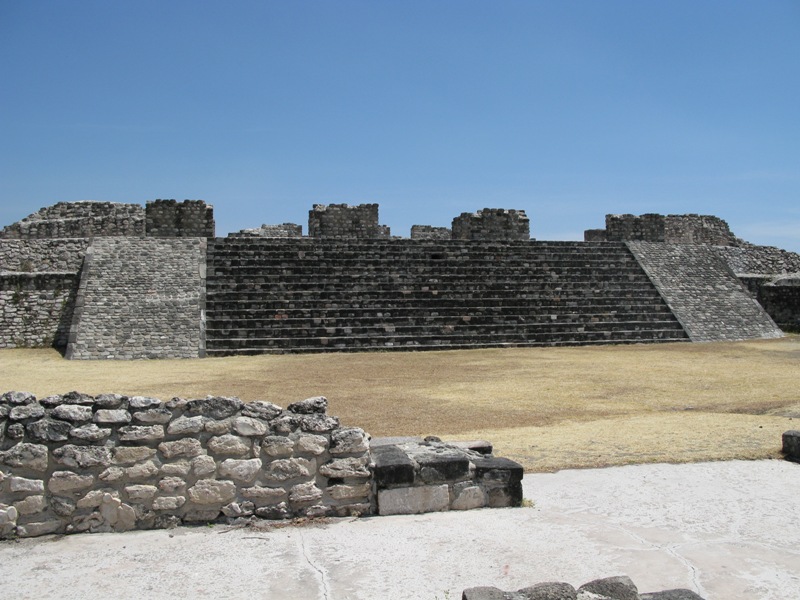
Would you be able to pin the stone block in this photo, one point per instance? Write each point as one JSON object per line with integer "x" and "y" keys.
{"x": 413, "y": 500}
{"x": 317, "y": 404}
{"x": 112, "y": 416}
{"x": 76, "y": 413}
{"x": 62, "y": 482}
{"x": 212, "y": 491}
{"x": 617, "y": 588}
{"x": 216, "y": 407}
{"x": 250, "y": 426}
{"x": 791, "y": 445}
{"x": 230, "y": 445}
{"x": 392, "y": 466}
{"x": 468, "y": 498}
{"x": 127, "y": 455}
{"x": 188, "y": 447}
{"x": 83, "y": 457}
{"x": 49, "y": 430}
{"x": 240, "y": 470}
{"x": 26, "y": 456}
{"x": 27, "y": 486}
{"x": 497, "y": 470}
{"x": 346, "y": 468}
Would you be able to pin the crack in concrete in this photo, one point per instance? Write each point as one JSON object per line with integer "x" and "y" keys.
{"x": 322, "y": 577}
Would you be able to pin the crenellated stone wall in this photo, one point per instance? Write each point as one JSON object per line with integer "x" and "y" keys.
{"x": 492, "y": 224}
{"x": 345, "y": 221}
{"x": 171, "y": 219}
{"x": 71, "y": 463}
{"x": 36, "y": 309}
{"x": 85, "y": 219}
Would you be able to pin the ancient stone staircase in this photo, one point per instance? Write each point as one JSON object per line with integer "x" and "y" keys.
{"x": 313, "y": 295}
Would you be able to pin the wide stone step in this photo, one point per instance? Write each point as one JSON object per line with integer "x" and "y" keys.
{"x": 355, "y": 344}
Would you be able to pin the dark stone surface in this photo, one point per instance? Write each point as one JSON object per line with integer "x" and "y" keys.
{"x": 48, "y": 430}
{"x": 392, "y": 466}
{"x": 498, "y": 469}
{"x": 549, "y": 591}
{"x": 318, "y": 404}
{"x": 618, "y": 588}
{"x": 438, "y": 463}
{"x": 217, "y": 407}
{"x": 676, "y": 594}
{"x": 791, "y": 445}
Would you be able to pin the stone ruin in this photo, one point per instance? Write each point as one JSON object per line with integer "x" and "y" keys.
{"x": 73, "y": 463}
{"x": 100, "y": 280}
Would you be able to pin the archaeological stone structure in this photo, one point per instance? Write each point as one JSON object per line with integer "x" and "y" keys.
{"x": 72, "y": 462}
{"x": 100, "y": 280}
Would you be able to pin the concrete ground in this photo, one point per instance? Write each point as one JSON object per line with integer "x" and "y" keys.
{"x": 727, "y": 530}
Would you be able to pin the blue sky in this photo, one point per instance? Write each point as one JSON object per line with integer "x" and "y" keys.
{"x": 566, "y": 109}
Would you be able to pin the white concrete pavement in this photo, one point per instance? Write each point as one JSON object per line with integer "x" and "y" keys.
{"x": 727, "y": 530}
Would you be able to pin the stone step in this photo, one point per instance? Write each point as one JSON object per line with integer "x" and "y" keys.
{"x": 281, "y": 346}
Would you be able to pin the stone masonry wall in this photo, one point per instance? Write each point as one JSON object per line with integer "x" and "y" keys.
{"x": 345, "y": 221}
{"x": 673, "y": 229}
{"x": 36, "y": 309}
{"x": 492, "y": 224}
{"x": 74, "y": 462}
{"x": 29, "y": 256}
{"x": 703, "y": 293}
{"x": 751, "y": 259}
{"x": 140, "y": 298}
{"x": 427, "y": 232}
{"x": 284, "y": 230}
{"x": 79, "y": 220}
{"x": 170, "y": 219}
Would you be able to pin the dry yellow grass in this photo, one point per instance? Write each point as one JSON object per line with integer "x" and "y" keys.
{"x": 547, "y": 408}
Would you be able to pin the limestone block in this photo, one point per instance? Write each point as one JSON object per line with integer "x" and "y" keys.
{"x": 311, "y": 444}
{"x": 170, "y": 485}
{"x": 105, "y": 401}
{"x": 77, "y": 413}
{"x": 66, "y": 482}
{"x": 469, "y": 497}
{"x": 168, "y": 502}
{"x": 49, "y": 430}
{"x": 26, "y": 411}
{"x": 413, "y": 500}
{"x": 127, "y": 455}
{"x": 28, "y": 486}
{"x": 317, "y": 404}
{"x": 158, "y": 416}
{"x": 229, "y": 445}
{"x": 217, "y": 427}
{"x": 112, "y": 416}
{"x": 277, "y": 446}
{"x": 218, "y": 407}
{"x": 136, "y": 493}
{"x": 349, "y": 492}
{"x": 263, "y": 496}
{"x": 26, "y": 456}
{"x": 318, "y": 423}
{"x": 249, "y": 426}
{"x": 94, "y": 498}
{"x": 212, "y": 491}
{"x": 31, "y": 505}
{"x": 112, "y": 474}
{"x": 82, "y": 457}
{"x": 90, "y": 433}
{"x": 141, "y": 433}
{"x": 178, "y": 468}
{"x": 188, "y": 447}
{"x": 240, "y": 470}
{"x": 261, "y": 410}
{"x": 143, "y": 470}
{"x": 203, "y": 466}
{"x": 119, "y": 516}
{"x": 346, "y": 468}
{"x": 140, "y": 402}
{"x": 285, "y": 469}
{"x": 349, "y": 440}
{"x": 185, "y": 425}
{"x": 392, "y": 466}
{"x": 285, "y": 423}
{"x": 305, "y": 493}
{"x": 37, "y": 529}
{"x": 18, "y": 398}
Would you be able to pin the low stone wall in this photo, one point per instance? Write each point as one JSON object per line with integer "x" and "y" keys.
{"x": 79, "y": 220}
{"x": 74, "y": 462}
{"x": 673, "y": 229}
{"x": 284, "y": 230}
{"x": 610, "y": 588}
{"x": 749, "y": 259}
{"x": 36, "y": 309}
{"x": 492, "y": 224}
{"x": 428, "y": 232}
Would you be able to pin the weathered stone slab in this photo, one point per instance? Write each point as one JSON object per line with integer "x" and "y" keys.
{"x": 27, "y": 456}
{"x": 240, "y": 470}
{"x": 311, "y": 444}
{"x": 277, "y": 446}
{"x": 349, "y": 440}
{"x": 26, "y": 411}
{"x": 139, "y": 493}
{"x": 618, "y": 588}
{"x": 265, "y": 495}
{"x": 90, "y": 433}
{"x": 285, "y": 469}
{"x": 48, "y": 430}
{"x": 31, "y": 505}
{"x": 143, "y": 402}
{"x": 468, "y": 498}
{"x": 203, "y": 466}
{"x": 230, "y": 445}
{"x": 250, "y": 426}
{"x": 188, "y": 447}
{"x": 392, "y": 466}
{"x": 168, "y": 502}
{"x": 317, "y": 404}
{"x": 28, "y": 486}
{"x": 497, "y": 470}
{"x": 127, "y": 455}
{"x": 83, "y": 457}
{"x": 112, "y": 416}
{"x": 67, "y": 482}
{"x": 261, "y": 410}
{"x": 143, "y": 470}
{"x": 413, "y": 500}
{"x": 305, "y": 493}
{"x": 141, "y": 433}
{"x": 216, "y": 407}
{"x": 158, "y": 416}
{"x": 186, "y": 425}
{"x": 346, "y": 468}
{"x": 212, "y": 491}
{"x": 77, "y": 413}
{"x": 349, "y": 492}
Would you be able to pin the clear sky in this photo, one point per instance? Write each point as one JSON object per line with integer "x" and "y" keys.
{"x": 567, "y": 109}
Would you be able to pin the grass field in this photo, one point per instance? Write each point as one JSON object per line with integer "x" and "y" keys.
{"x": 547, "y": 408}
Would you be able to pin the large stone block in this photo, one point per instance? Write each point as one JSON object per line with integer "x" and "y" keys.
{"x": 413, "y": 500}
{"x": 392, "y": 466}
{"x": 791, "y": 445}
